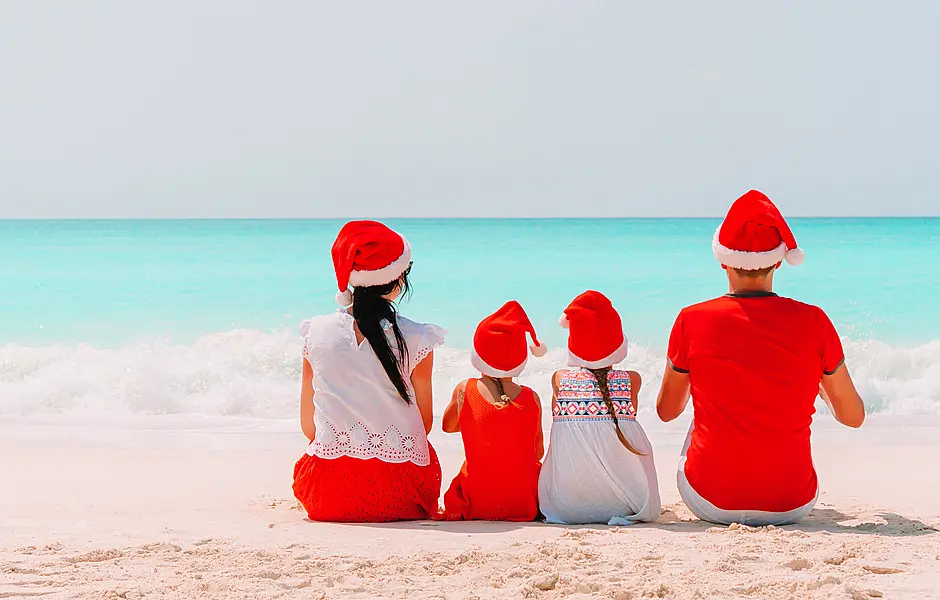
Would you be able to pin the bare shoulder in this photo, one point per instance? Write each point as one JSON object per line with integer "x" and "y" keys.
{"x": 461, "y": 388}
{"x": 557, "y": 376}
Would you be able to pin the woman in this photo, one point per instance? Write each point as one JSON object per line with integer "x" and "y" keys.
{"x": 365, "y": 402}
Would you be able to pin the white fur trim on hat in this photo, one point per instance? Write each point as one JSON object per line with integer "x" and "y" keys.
{"x": 750, "y": 261}
{"x": 384, "y": 275}
{"x": 608, "y": 361}
{"x": 480, "y": 365}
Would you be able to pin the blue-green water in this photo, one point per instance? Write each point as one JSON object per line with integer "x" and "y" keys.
{"x": 111, "y": 282}
{"x": 201, "y": 316}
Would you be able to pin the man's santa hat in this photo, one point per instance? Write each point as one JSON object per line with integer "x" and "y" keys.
{"x": 595, "y": 333}
{"x": 366, "y": 254}
{"x": 755, "y": 235}
{"x": 499, "y": 343}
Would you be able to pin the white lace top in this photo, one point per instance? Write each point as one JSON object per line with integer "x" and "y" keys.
{"x": 358, "y": 412}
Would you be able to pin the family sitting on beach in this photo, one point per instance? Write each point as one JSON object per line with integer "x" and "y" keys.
{"x": 754, "y": 362}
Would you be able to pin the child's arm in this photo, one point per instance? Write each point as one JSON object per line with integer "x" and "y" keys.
{"x": 539, "y": 438}
{"x": 636, "y": 382}
{"x": 450, "y": 422}
{"x": 306, "y": 402}
{"x": 424, "y": 398}
{"x": 556, "y": 381}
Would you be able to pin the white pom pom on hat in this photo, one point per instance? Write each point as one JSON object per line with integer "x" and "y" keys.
{"x": 344, "y": 298}
{"x": 563, "y": 322}
{"x": 796, "y": 257}
{"x": 538, "y": 350}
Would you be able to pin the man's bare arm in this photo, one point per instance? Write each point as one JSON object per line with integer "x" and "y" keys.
{"x": 840, "y": 394}
{"x": 673, "y": 395}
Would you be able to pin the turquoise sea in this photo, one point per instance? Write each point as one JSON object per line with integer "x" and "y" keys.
{"x": 93, "y": 312}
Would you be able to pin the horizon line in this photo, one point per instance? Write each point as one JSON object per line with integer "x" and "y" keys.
{"x": 457, "y": 218}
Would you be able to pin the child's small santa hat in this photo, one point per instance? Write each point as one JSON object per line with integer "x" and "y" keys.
{"x": 595, "y": 333}
{"x": 755, "y": 235}
{"x": 499, "y": 343}
{"x": 366, "y": 254}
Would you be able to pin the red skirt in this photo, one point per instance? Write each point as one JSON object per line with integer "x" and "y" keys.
{"x": 510, "y": 496}
{"x": 355, "y": 490}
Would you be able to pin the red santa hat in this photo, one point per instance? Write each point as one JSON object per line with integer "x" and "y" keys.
{"x": 595, "y": 333}
{"x": 499, "y": 343}
{"x": 755, "y": 235}
{"x": 365, "y": 254}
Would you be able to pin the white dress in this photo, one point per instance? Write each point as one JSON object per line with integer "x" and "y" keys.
{"x": 588, "y": 475}
{"x": 358, "y": 412}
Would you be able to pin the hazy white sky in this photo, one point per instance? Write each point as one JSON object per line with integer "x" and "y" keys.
{"x": 296, "y": 108}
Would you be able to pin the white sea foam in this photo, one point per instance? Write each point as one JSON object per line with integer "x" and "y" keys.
{"x": 254, "y": 374}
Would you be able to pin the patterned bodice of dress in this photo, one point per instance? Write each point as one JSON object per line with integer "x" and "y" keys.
{"x": 579, "y": 397}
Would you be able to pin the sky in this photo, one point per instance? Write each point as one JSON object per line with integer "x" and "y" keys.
{"x": 530, "y": 108}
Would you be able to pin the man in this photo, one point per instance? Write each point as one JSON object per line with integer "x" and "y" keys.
{"x": 754, "y": 363}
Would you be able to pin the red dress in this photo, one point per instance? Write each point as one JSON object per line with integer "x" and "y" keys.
{"x": 355, "y": 490}
{"x": 500, "y": 478}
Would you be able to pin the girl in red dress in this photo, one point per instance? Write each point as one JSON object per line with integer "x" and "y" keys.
{"x": 365, "y": 401}
{"x": 500, "y": 423}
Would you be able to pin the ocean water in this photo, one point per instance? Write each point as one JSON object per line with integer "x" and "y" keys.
{"x": 105, "y": 318}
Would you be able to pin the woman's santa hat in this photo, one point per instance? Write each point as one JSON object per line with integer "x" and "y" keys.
{"x": 366, "y": 254}
{"x": 499, "y": 343}
{"x": 755, "y": 235}
{"x": 595, "y": 333}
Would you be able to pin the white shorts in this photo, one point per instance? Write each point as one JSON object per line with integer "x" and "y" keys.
{"x": 706, "y": 511}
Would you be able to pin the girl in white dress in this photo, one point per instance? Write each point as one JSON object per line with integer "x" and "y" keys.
{"x": 599, "y": 467}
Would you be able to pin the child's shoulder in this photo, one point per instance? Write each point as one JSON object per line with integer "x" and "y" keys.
{"x": 526, "y": 388}
{"x": 560, "y": 374}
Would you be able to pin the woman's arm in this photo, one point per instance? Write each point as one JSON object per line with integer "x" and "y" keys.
{"x": 421, "y": 382}
{"x": 636, "y": 382}
{"x": 306, "y": 402}
{"x": 450, "y": 422}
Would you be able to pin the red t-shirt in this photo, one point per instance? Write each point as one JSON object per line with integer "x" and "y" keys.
{"x": 754, "y": 363}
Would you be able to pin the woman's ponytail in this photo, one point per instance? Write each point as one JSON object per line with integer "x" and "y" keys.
{"x": 372, "y": 311}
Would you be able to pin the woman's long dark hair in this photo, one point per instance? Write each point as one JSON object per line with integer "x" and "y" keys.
{"x": 370, "y": 309}
{"x": 601, "y": 376}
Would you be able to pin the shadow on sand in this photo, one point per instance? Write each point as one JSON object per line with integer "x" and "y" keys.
{"x": 826, "y": 519}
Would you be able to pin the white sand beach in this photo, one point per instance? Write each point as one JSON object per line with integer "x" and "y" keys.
{"x": 156, "y": 510}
